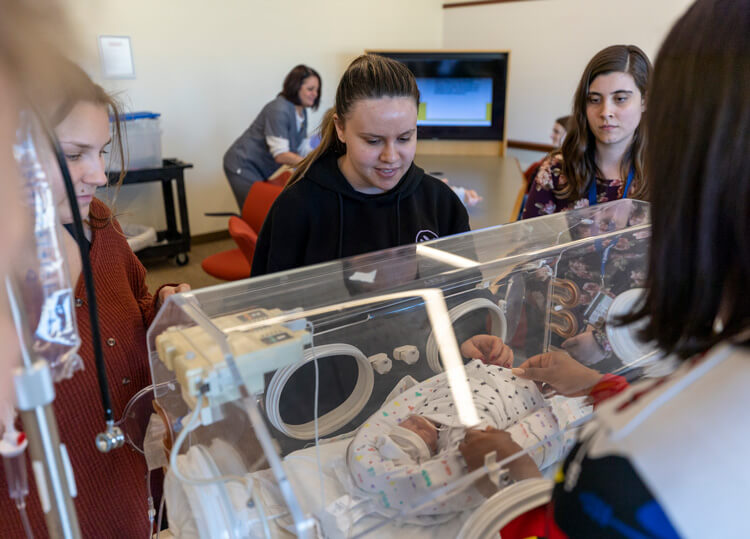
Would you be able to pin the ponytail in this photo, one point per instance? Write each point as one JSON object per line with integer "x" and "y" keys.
{"x": 329, "y": 140}
{"x": 368, "y": 77}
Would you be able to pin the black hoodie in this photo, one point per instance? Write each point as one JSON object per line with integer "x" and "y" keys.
{"x": 322, "y": 217}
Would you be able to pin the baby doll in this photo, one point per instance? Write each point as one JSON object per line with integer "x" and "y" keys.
{"x": 410, "y": 447}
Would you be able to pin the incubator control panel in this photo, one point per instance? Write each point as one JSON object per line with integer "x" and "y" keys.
{"x": 201, "y": 368}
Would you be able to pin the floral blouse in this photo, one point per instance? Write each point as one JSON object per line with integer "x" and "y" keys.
{"x": 550, "y": 178}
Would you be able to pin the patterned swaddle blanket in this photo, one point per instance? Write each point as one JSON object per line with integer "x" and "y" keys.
{"x": 503, "y": 401}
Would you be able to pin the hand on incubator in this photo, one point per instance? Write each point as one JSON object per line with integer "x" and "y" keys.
{"x": 167, "y": 291}
{"x": 561, "y": 372}
{"x": 490, "y": 349}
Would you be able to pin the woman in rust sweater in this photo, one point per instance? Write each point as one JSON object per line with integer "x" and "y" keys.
{"x": 112, "y": 490}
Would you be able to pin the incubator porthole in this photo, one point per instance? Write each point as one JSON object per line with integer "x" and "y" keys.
{"x": 338, "y": 378}
{"x": 338, "y": 404}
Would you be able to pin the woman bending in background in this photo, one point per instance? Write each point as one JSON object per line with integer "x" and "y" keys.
{"x": 277, "y": 136}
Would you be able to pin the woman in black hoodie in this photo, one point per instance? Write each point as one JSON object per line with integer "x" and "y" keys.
{"x": 360, "y": 190}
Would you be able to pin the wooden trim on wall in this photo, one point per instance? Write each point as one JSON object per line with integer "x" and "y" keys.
{"x": 460, "y": 147}
{"x": 210, "y": 237}
{"x": 441, "y": 51}
{"x": 533, "y": 146}
{"x": 477, "y": 3}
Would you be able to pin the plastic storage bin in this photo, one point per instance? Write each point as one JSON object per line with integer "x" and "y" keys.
{"x": 141, "y": 141}
{"x": 139, "y": 236}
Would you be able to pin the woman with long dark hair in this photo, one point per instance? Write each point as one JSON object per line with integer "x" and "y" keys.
{"x": 601, "y": 158}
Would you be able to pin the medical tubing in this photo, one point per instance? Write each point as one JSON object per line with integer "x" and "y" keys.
{"x": 191, "y": 425}
{"x": 25, "y": 519}
{"x": 474, "y": 475}
{"x": 315, "y": 415}
{"x": 13, "y": 450}
{"x": 131, "y": 403}
{"x": 137, "y": 396}
{"x": 151, "y": 509}
{"x": 262, "y": 515}
{"x": 101, "y": 372}
{"x": 161, "y": 514}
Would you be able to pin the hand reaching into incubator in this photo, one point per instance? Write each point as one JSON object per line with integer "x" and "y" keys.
{"x": 478, "y": 443}
{"x": 490, "y": 349}
{"x": 561, "y": 372}
{"x": 584, "y": 348}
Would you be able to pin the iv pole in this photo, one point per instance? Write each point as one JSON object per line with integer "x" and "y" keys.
{"x": 51, "y": 466}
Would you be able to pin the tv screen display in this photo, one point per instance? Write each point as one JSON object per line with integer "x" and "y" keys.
{"x": 462, "y": 94}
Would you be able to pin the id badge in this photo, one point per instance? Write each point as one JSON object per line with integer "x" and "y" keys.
{"x": 596, "y": 313}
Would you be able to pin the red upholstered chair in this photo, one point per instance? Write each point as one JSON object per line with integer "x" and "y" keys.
{"x": 281, "y": 176}
{"x": 236, "y": 263}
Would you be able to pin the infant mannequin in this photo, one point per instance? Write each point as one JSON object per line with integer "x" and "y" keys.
{"x": 424, "y": 445}
{"x": 410, "y": 447}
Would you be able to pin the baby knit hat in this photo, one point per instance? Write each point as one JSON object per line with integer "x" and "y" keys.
{"x": 410, "y": 443}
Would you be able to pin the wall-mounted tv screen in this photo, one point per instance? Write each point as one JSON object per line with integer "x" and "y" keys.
{"x": 462, "y": 94}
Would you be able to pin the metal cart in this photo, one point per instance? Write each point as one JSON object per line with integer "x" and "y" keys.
{"x": 172, "y": 242}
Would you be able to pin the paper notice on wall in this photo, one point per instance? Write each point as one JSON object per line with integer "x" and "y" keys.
{"x": 116, "y": 57}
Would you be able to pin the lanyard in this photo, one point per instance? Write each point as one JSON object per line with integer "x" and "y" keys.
{"x": 592, "y": 202}
{"x": 592, "y": 187}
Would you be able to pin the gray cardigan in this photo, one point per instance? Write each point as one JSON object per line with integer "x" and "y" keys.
{"x": 249, "y": 155}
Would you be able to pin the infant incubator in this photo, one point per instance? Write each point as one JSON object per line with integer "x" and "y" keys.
{"x": 269, "y": 391}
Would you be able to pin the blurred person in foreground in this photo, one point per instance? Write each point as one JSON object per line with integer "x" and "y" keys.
{"x": 660, "y": 457}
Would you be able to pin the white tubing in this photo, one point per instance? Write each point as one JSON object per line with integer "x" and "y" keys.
{"x": 499, "y": 326}
{"x": 211, "y": 494}
{"x": 335, "y": 419}
{"x": 192, "y": 424}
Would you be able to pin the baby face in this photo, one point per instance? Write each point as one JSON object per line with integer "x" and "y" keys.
{"x": 424, "y": 428}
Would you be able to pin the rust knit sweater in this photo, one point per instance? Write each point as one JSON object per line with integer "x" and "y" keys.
{"x": 112, "y": 494}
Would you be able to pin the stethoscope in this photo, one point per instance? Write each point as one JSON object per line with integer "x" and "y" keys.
{"x": 593, "y": 202}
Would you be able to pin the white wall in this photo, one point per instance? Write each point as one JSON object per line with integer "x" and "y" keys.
{"x": 551, "y": 41}
{"x": 209, "y": 67}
